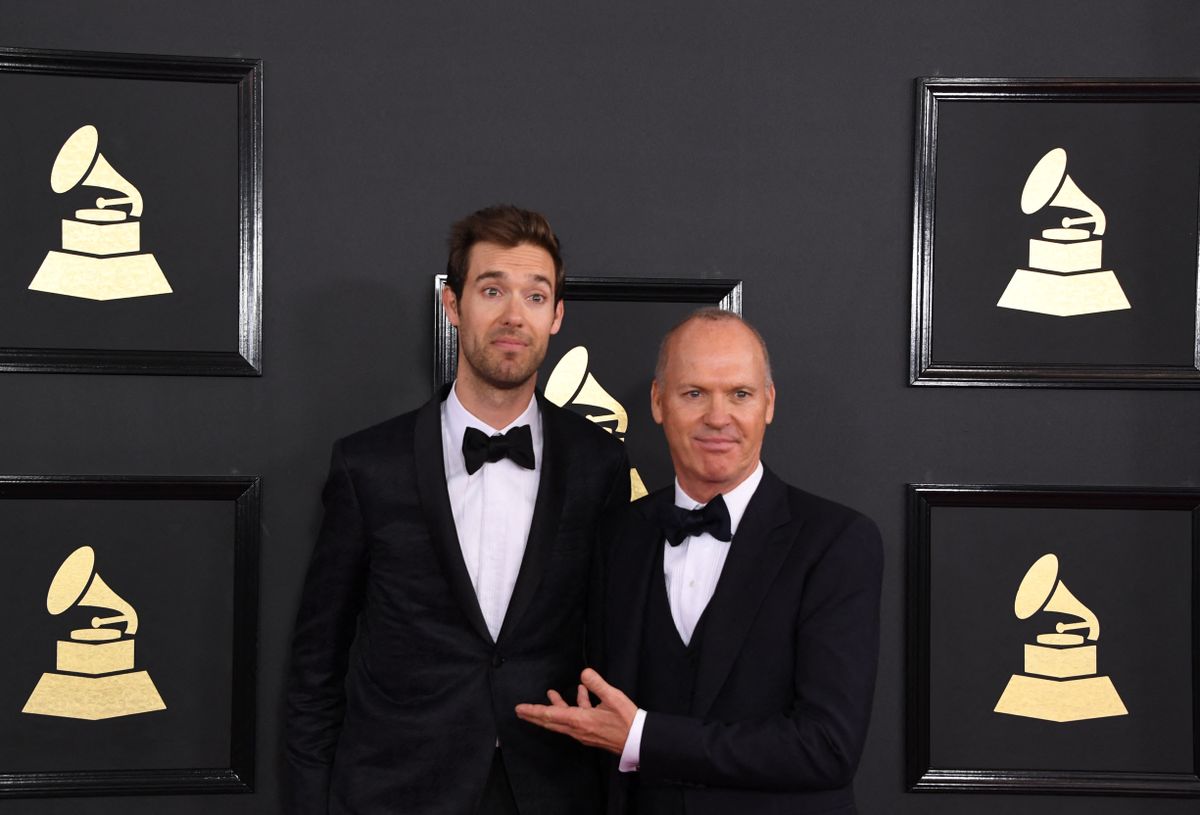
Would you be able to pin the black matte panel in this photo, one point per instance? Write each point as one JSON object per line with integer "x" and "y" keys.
{"x": 177, "y": 142}
{"x": 1132, "y": 568}
{"x": 173, "y": 562}
{"x": 1139, "y": 161}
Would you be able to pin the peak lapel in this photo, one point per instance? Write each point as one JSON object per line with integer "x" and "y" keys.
{"x": 762, "y": 542}
{"x": 547, "y": 510}
{"x": 439, "y": 518}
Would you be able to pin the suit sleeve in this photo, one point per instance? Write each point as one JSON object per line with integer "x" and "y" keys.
{"x": 615, "y": 503}
{"x": 325, "y": 628}
{"x": 818, "y": 742}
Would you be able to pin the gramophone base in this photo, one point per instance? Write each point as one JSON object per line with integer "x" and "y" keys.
{"x": 100, "y": 278}
{"x": 1064, "y": 295}
{"x": 1065, "y": 700}
{"x": 94, "y": 697}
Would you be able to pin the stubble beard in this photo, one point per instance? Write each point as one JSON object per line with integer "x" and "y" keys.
{"x": 498, "y": 370}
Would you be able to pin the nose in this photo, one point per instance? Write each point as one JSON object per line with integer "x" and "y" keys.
{"x": 717, "y": 414}
{"x": 514, "y": 313}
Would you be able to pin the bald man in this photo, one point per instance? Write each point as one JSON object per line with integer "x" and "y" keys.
{"x": 743, "y": 614}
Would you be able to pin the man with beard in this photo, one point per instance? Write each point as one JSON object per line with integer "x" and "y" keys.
{"x": 455, "y": 573}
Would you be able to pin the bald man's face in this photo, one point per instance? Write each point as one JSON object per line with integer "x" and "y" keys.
{"x": 714, "y": 404}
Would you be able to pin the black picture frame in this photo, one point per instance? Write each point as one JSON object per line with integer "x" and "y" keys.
{"x": 601, "y": 363}
{"x": 932, "y": 363}
{"x": 924, "y": 774}
{"x": 241, "y": 355}
{"x": 726, "y": 294}
{"x": 243, "y": 496}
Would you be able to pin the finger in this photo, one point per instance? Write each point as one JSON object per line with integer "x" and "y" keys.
{"x": 582, "y": 699}
{"x": 555, "y": 699}
{"x": 596, "y": 684}
{"x": 610, "y": 697}
{"x": 542, "y": 722}
{"x": 530, "y": 713}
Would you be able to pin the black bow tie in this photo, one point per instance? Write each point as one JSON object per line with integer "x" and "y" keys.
{"x": 478, "y": 447}
{"x": 679, "y": 523}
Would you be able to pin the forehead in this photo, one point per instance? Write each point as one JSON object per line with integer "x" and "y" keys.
{"x": 715, "y": 350}
{"x": 522, "y": 260}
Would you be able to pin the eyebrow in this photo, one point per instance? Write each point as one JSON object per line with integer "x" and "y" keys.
{"x": 697, "y": 387}
{"x": 496, "y": 274}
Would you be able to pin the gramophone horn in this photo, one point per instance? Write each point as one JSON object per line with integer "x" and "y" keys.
{"x": 1049, "y": 185}
{"x": 570, "y": 383}
{"x": 77, "y": 584}
{"x": 1041, "y": 590}
{"x": 80, "y": 162}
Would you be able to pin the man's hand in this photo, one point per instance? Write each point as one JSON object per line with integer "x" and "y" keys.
{"x": 605, "y": 726}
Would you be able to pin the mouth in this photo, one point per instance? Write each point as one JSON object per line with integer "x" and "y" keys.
{"x": 715, "y": 444}
{"x": 508, "y": 342}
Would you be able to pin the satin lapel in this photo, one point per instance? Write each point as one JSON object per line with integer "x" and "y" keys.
{"x": 439, "y": 518}
{"x": 631, "y": 574}
{"x": 547, "y": 511}
{"x": 763, "y": 540}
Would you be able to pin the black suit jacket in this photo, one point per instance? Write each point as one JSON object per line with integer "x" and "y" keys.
{"x": 397, "y": 692}
{"x": 787, "y": 662}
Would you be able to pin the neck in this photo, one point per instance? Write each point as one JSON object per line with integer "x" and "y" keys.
{"x": 704, "y": 491}
{"x": 496, "y": 406}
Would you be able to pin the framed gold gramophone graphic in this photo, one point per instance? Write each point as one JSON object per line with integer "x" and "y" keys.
{"x": 1066, "y": 277}
{"x": 1060, "y": 682}
{"x": 1011, "y": 685}
{"x": 131, "y": 216}
{"x": 101, "y": 257}
{"x": 131, "y": 661}
{"x": 1055, "y": 239}
{"x": 570, "y": 384}
{"x": 601, "y": 362}
{"x": 94, "y": 676}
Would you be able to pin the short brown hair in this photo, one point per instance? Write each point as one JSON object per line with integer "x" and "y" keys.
{"x": 507, "y": 226}
{"x": 710, "y": 314}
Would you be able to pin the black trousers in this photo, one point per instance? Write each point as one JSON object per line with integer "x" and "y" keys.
{"x": 497, "y": 793}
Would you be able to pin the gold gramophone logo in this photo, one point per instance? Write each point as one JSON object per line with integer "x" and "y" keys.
{"x": 1060, "y": 683}
{"x": 571, "y": 384}
{"x": 1066, "y": 277}
{"x": 101, "y": 257}
{"x": 95, "y": 676}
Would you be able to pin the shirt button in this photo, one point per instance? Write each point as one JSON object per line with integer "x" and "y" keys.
{"x": 497, "y": 660}
{"x": 691, "y": 584}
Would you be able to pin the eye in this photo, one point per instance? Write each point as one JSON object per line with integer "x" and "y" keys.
{"x": 491, "y": 291}
{"x": 742, "y": 394}
{"x": 692, "y": 394}
{"x": 538, "y": 297}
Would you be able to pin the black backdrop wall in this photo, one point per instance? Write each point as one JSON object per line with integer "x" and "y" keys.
{"x": 769, "y": 142}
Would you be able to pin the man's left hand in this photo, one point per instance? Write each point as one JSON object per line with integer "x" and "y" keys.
{"x": 605, "y": 725}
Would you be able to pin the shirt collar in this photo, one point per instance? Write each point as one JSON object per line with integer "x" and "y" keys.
{"x": 736, "y": 499}
{"x": 458, "y": 419}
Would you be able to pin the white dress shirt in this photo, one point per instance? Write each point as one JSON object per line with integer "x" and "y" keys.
{"x": 492, "y": 507}
{"x": 692, "y": 570}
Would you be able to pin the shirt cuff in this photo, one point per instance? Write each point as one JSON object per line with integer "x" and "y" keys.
{"x": 631, "y": 755}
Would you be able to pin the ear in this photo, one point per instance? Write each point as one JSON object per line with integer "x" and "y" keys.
{"x": 770, "y": 402}
{"x": 450, "y": 304}
{"x": 655, "y": 402}
{"x": 558, "y": 315}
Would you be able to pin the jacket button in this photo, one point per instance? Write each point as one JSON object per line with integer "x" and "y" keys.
{"x": 497, "y": 660}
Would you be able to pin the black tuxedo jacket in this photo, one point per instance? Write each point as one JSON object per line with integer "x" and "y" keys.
{"x": 787, "y": 662}
{"x": 397, "y": 692}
